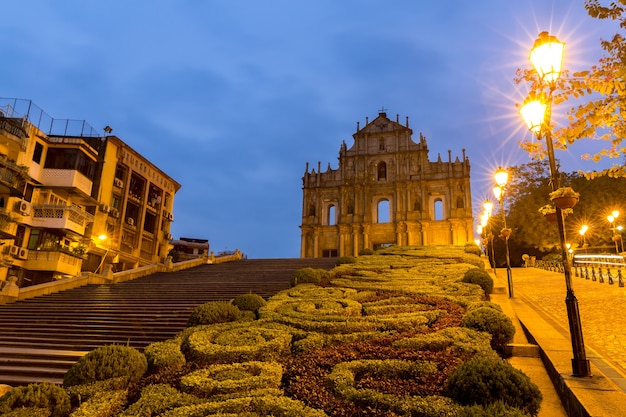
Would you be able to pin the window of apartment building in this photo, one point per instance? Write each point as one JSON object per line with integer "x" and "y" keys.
{"x": 120, "y": 172}
{"x": 37, "y": 153}
{"x": 115, "y": 201}
{"x": 70, "y": 159}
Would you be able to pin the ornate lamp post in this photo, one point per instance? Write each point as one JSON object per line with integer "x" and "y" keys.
{"x": 502, "y": 177}
{"x": 616, "y": 237}
{"x": 488, "y": 206}
{"x": 547, "y": 58}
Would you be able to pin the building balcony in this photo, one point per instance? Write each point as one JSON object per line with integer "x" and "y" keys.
{"x": 66, "y": 178}
{"x": 57, "y": 260}
{"x": 71, "y": 218}
{"x": 12, "y": 177}
{"x": 14, "y": 131}
{"x": 8, "y": 226}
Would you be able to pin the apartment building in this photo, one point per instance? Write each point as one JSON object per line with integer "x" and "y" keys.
{"x": 73, "y": 200}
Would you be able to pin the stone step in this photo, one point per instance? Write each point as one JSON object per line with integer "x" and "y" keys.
{"x": 41, "y": 338}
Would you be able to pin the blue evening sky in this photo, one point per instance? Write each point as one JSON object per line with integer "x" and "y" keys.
{"x": 233, "y": 97}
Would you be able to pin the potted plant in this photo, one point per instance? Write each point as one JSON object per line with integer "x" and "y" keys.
{"x": 549, "y": 213}
{"x": 564, "y": 197}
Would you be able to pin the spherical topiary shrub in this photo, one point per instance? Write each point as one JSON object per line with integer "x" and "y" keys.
{"x": 39, "y": 395}
{"x": 486, "y": 380}
{"x": 214, "y": 312}
{"x": 345, "y": 260}
{"x": 492, "y": 321}
{"x": 308, "y": 276}
{"x": 164, "y": 355}
{"x": 366, "y": 252}
{"x": 249, "y": 302}
{"x": 473, "y": 249}
{"x": 480, "y": 277}
{"x": 106, "y": 362}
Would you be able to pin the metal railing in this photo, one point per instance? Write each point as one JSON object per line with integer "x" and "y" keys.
{"x": 27, "y": 110}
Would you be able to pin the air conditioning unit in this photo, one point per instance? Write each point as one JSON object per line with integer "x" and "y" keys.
{"x": 105, "y": 208}
{"x": 170, "y": 216}
{"x": 168, "y": 236}
{"x": 166, "y": 214}
{"x": 114, "y": 213}
{"x": 23, "y": 207}
{"x": 15, "y": 250}
{"x": 23, "y": 254}
{"x": 118, "y": 183}
{"x": 130, "y": 221}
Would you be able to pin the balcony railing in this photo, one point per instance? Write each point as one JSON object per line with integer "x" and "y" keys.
{"x": 66, "y": 178}
{"x": 61, "y": 217}
{"x": 54, "y": 260}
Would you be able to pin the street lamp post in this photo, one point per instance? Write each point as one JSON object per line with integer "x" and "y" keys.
{"x": 502, "y": 177}
{"x": 612, "y": 221}
{"x": 582, "y": 231}
{"x": 547, "y": 59}
{"x": 488, "y": 206}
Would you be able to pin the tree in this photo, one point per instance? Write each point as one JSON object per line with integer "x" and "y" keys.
{"x": 599, "y": 96}
{"x": 529, "y": 189}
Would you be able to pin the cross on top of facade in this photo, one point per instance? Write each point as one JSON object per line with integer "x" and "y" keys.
{"x": 382, "y": 110}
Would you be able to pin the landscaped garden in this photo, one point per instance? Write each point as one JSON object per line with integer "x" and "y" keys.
{"x": 400, "y": 332}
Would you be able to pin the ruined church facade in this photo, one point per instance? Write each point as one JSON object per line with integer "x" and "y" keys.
{"x": 385, "y": 191}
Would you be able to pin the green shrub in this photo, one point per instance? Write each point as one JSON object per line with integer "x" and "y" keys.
{"x": 481, "y": 304}
{"x": 37, "y": 396}
{"x": 249, "y": 302}
{"x": 494, "y": 322}
{"x": 84, "y": 392}
{"x": 345, "y": 260}
{"x": 214, "y": 312}
{"x": 164, "y": 355}
{"x": 366, "y": 252}
{"x": 106, "y": 362}
{"x": 105, "y": 404}
{"x": 308, "y": 276}
{"x": 28, "y": 412}
{"x": 497, "y": 409}
{"x": 473, "y": 249}
{"x": 158, "y": 398}
{"x": 225, "y": 381}
{"x": 480, "y": 277}
{"x": 486, "y": 380}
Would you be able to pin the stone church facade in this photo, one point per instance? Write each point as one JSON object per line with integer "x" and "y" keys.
{"x": 385, "y": 191}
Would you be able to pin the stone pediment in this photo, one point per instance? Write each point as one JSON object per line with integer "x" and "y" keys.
{"x": 382, "y": 124}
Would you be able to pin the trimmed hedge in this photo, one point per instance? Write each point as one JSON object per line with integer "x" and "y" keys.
{"x": 480, "y": 277}
{"x": 492, "y": 321}
{"x": 164, "y": 355}
{"x": 214, "y": 312}
{"x": 486, "y": 380}
{"x": 106, "y": 362}
{"x": 42, "y": 395}
{"x": 308, "y": 276}
{"x": 236, "y": 343}
{"x": 158, "y": 398}
{"x": 249, "y": 302}
{"x": 219, "y": 381}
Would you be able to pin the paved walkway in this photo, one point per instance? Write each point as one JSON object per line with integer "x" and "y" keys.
{"x": 602, "y": 310}
{"x": 539, "y": 306}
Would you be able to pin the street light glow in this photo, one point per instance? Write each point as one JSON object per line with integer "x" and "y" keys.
{"x": 533, "y": 112}
{"x": 547, "y": 57}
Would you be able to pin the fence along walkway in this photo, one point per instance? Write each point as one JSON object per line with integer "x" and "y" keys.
{"x": 40, "y": 338}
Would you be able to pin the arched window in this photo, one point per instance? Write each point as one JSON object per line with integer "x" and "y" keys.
{"x": 438, "y": 209}
{"x": 459, "y": 202}
{"x": 381, "y": 144}
{"x": 331, "y": 215}
{"x": 382, "y": 171}
{"x": 417, "y": 205}
{"x": 383, "y": 215}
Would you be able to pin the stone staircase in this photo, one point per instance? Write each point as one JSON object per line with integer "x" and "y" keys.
{"x": 41, "y": 338}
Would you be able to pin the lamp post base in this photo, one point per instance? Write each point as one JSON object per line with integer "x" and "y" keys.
{"x": 580, "y": 367}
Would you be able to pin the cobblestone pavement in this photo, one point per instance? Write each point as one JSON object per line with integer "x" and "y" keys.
{"x": 602, "y": 308}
